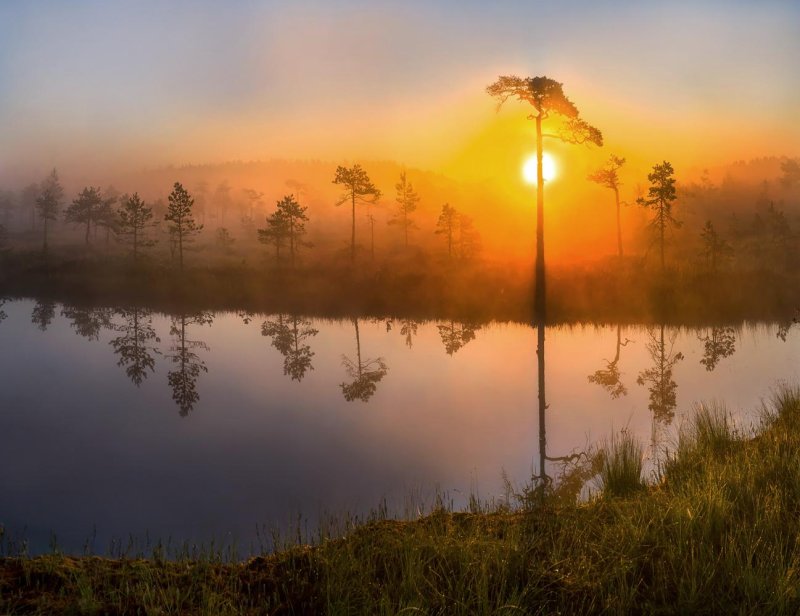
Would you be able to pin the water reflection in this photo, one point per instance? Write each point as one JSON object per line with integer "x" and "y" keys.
{"x": 188, "y": 365}
{"x": 659, "y": 380}
{"x": 456, "y": 334}
{"x": 43, "y": 314}
{"x": 439, "y": 421}
{"x": 3, "y": 315}
{"x": 609, "y": 377}
{"x": 88, "y": 322}
{"x": 365, "y": 374}
{"x": 718, "y": 344}
{"x": 288, "y": 334}
{"x": 135, "y": 346}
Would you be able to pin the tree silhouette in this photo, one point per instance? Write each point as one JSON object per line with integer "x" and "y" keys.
{"x": 43, "y": 314}
{"x": 365, "y": 374}
{"x": 287, "y": 337}
{"x": 179, "y": 213}
{"x": 83, "y": 209}
{"x": 88, "y": 322}
{"x": 276, "y": 232}
{"x": 407, "y": 200}
{"x": 3, "y": 315}
{"x": 408, "y": 328}
{"x": 658, "y": 379}
{"x": 715, "y": 248}
{"x": 546, "y": 97}
{"x": 469, "y": 240}
{"x": 609, "y": 378}
{"x": 608, "y": 177}
{"x": 295, "y": 218}
{"x": 106, "y": 213}
{"x": 188, "y": 365}
{"x": 455, "y": 335}
{"x": 357, "y": 188}
{"x": 135, "y": 344}
{"x": 549, "y": 102}
{"x": 717, "y": 345}
{"x": 660, "y": 196}
{"x": 447, "y": 225}
{"x": 135, "y": 217}
{"x": 49, "y": 202}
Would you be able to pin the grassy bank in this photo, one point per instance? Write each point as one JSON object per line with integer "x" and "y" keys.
{"x": 717, "y": 532}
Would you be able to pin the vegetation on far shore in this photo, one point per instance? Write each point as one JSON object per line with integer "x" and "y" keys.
{"x": 609, "y": 291}
{"x": 715, "y": 531}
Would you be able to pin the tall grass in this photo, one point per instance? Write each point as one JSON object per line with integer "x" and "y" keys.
{"x": 622, "y": 465}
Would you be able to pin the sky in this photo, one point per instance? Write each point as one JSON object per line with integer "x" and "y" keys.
{"x": 108, "y": 84}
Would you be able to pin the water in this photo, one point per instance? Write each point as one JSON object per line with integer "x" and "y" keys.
{"x": 208, "y": 426}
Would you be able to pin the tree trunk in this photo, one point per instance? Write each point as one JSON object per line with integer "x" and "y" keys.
{"x": 88, "y": 227}
{"x": 358, "y": 347}
{"x": 540, "y": 297}
{"x": 619, "y": 224}
{"x": 180, "y": 246}
{"x": 353, "y": 235}
{"x": 44, "y": 246}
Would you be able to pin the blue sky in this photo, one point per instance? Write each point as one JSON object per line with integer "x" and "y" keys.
{"x": 194, "y": 81}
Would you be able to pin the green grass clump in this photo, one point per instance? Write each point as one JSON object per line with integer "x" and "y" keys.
{"x": 718, "y": 533}
{"x": 621, "y": 471}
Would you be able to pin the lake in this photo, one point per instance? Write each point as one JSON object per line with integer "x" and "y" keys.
{"x": 118, "y": 423}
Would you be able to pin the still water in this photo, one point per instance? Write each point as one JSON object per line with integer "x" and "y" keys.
{"x": 193, "y": 427}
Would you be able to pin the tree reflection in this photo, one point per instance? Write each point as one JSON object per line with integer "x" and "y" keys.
{"x": 287, "y": 337}
{"x": 718, "y": 345}
{"x": 43, "y": 314}
{"x": 408, "y": 329}
{"x": 135, "y": 346}
{"x": 365, "y": 374}
{"x": 609, "y": 377}
{"x": 88, "y": 322}
{"x": 3, "y": 315}
{"x": 188, "y": 365}
{"x": 658, "y": 379}
{"x": 456, "y": 335}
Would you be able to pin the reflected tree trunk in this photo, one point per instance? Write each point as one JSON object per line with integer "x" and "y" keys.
{"x": 365, "y": 374}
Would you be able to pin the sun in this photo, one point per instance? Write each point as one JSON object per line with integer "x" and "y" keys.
{"x": 548, "y": 168}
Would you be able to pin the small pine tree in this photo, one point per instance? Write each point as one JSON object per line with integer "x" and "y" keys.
{"x": 179, "y": 213}
{"x": 84, "y": 209}
{"x": 660, "y": 197}
{"x": 135, "y": 217}
{"x": 407, "y": 200}
{"x": 357, "y": 188}
{"x": 447, "y": 225}
{"x": 275, "y": 233}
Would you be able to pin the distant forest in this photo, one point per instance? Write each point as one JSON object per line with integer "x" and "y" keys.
{"x": 412, "y": 230}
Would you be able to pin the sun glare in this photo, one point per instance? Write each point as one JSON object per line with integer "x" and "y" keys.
{"x": 548, "y": 168}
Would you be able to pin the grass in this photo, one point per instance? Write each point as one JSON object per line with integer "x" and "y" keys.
{"x": 718, "y": 531}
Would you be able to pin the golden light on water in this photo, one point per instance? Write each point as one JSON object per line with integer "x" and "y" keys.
{"x": 548, "y": 168}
